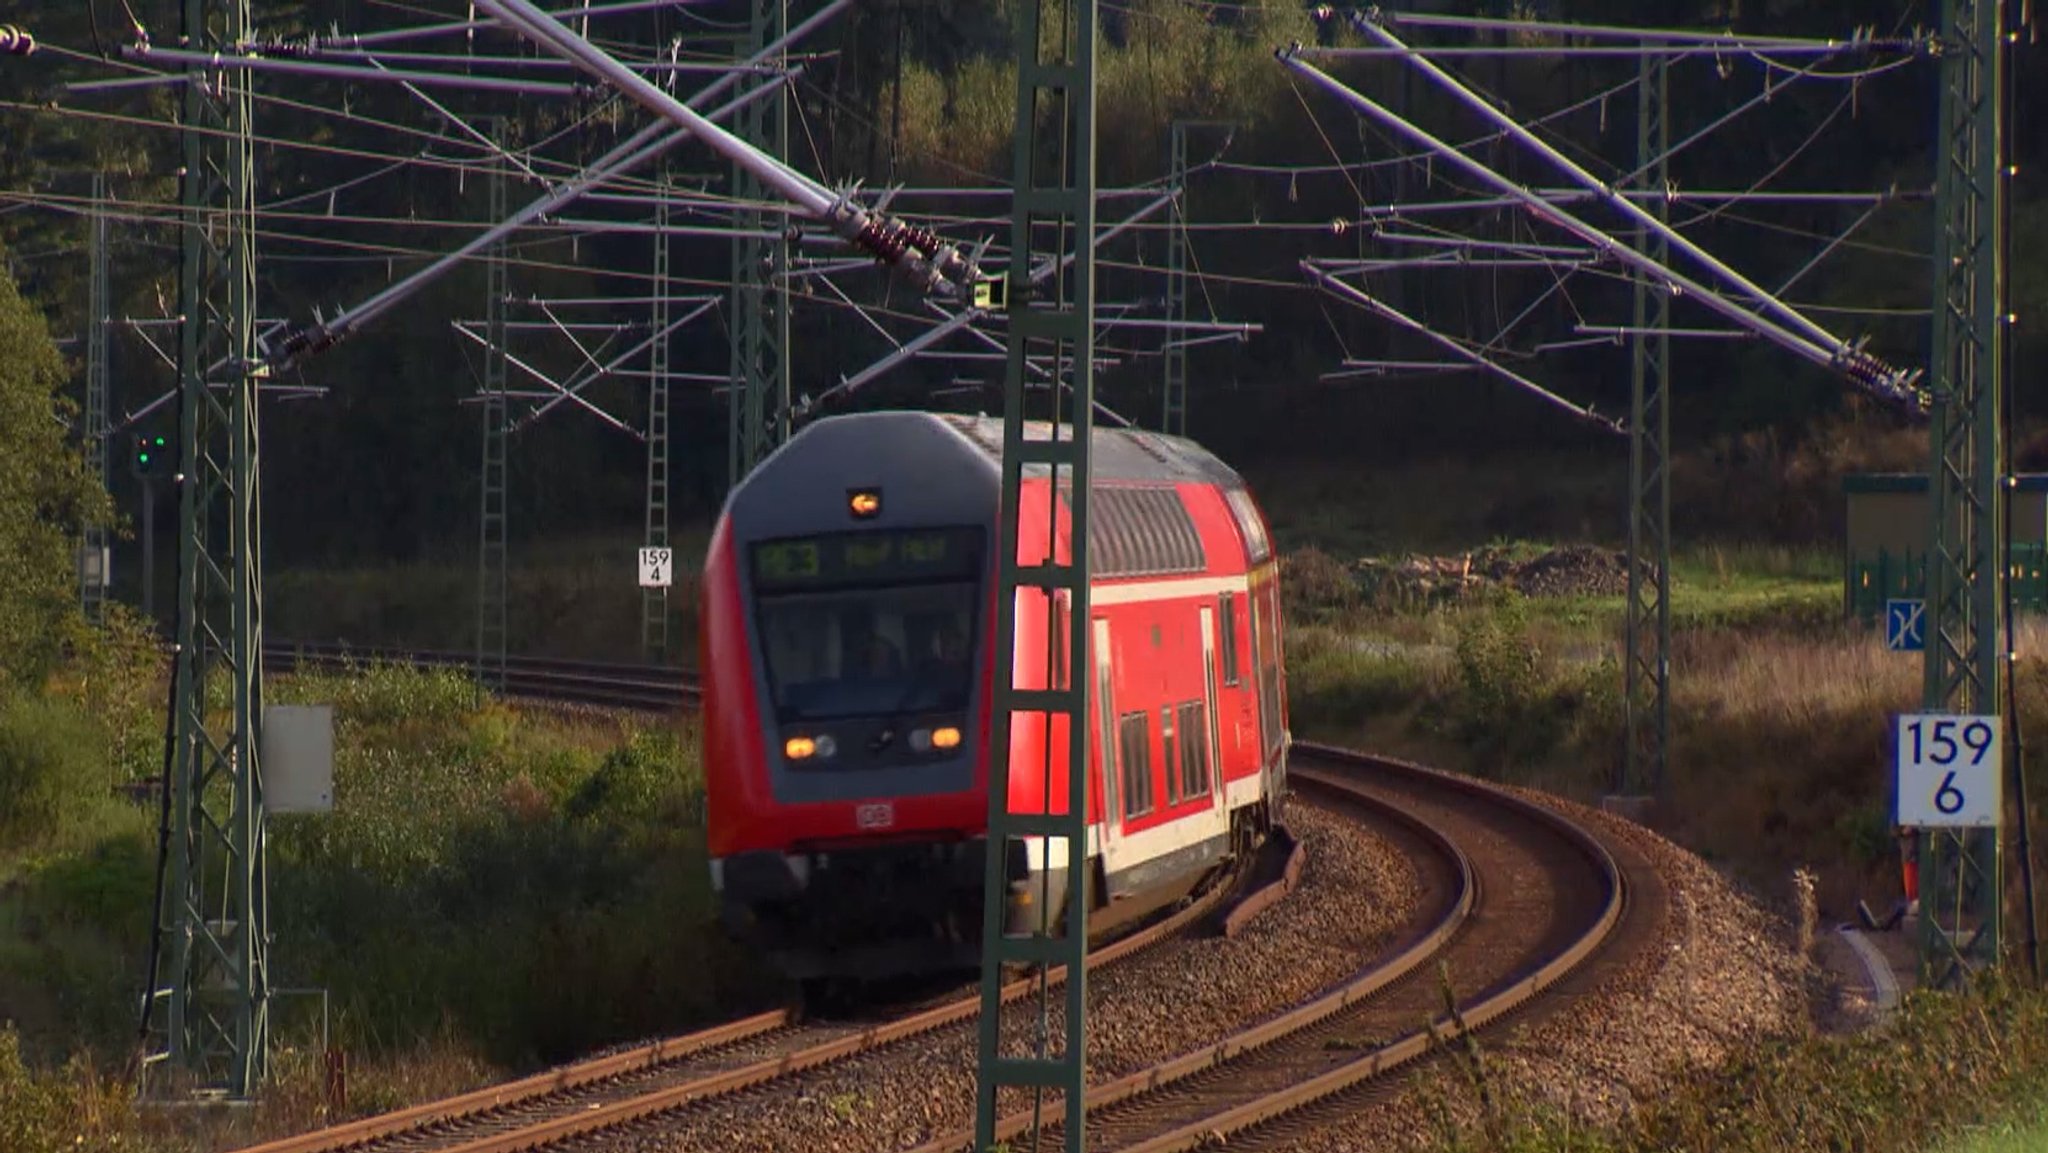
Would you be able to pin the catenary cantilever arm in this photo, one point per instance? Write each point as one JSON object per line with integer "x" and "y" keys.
{"x": 639, "y": 148}
{"x": 915, "y": 254}
{"x": 1861, "y": 368}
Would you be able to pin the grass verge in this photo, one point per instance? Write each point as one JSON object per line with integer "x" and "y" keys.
{"x": 1948, "y": 1074}
{"x": 489, "y": 881}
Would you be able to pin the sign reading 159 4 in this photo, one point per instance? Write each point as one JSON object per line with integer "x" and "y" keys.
{"x": 1949, "y": 770}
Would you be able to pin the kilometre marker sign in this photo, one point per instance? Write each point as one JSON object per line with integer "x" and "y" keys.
{"x": 656, "y": 565}
{"x": 1949, "y": 770}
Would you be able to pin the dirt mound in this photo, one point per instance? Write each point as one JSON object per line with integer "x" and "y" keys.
{"x": 1575, "y": 570}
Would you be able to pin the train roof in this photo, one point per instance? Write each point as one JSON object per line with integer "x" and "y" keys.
{"x": 1119, "y": 454}
{"x": 946, "y": 468}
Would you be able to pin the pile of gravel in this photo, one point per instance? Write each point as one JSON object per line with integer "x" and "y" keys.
{"x": 1571, "y": 571}
{"x": 1718, "y": 977}
{"x": 1356, "y": 891}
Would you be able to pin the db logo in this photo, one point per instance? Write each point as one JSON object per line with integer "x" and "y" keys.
{"x": 877, "y": 816}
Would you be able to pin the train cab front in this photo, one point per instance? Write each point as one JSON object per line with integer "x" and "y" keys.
{"x": 845, "y": 648}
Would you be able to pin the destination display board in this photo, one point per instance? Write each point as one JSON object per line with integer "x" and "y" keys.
{"x": 876, "y": 556}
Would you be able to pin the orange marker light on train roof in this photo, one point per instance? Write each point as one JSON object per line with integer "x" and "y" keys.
{"x": 945, "y": 738}
{"x": 864, "y": 502}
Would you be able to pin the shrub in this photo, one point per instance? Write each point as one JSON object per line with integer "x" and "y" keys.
{"x": 1503, "y": 705}
{"x": 1315, "y": 586}
{"x": 59, "y": 1114}
{"x": 53, "y": 768}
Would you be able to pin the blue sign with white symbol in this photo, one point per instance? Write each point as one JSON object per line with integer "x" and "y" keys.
{"x": 1904, "y": 622}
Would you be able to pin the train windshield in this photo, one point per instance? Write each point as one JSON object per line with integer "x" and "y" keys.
{"x": 869, "y": 624}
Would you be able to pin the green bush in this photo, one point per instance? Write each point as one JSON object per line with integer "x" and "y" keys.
{"x": 1505, "y": 705}
{"x": 76, "y": 1109}
{"x": 1315, "y": 586}
{"x": 53, "y": 768}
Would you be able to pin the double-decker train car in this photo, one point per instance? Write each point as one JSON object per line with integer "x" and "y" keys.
{"x": 847, "y": 653}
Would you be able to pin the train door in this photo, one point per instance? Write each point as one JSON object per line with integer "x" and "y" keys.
{"x": 1265, "y": 671}
{"x": 1209, "y": 726}
{"x": 1108, "y": 762}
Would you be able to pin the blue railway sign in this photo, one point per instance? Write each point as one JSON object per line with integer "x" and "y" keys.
{"x": 1905, "y": 624}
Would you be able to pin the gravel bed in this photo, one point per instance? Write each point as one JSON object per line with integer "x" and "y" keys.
{"x": 1722, "y": 975}
{"x": 1356, "y": 892}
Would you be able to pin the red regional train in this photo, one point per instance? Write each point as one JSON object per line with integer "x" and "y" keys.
{"x": 848, "y": 607}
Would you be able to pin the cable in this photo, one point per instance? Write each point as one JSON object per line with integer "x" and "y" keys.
{"x": 2008, "y": 418}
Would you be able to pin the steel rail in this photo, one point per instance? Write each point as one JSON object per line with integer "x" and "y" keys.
{"x": 626, "y": 685}
{"x": 580, "y": 1119}
{"x": 1377, "y": 1063}
{"x": 476, "y": 1102}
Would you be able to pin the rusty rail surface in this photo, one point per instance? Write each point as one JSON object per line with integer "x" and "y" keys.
{"x": 1131, "y": 1094}
{"x": 444, "y": 1122}
{"x": 654, "y": 688}
{"x": 562, "y": 1095}
{"x": 487, "y": 1121}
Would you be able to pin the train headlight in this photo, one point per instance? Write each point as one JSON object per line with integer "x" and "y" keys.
{"x": 826, "y": 745}
{"x": 921, "y": 741}
{"x": 946, "y": 738}
{"x": 798, "y": 748}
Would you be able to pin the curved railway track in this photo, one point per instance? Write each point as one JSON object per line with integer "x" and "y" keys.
{"x": 601, "y": 1095}
{"x": 654, "y": 688}
{"x": 1516, "y": 899}
{"x": 1520, "y": 898}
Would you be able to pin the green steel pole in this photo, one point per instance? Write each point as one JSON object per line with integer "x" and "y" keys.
{"x": 1054, "y": 182}
{"x": 92, "y": 568}
{"x": 492, "y": 612}
{"x": 758, "y": 404}
{"x": 1647, "y": 754}
{"x": 1174, "y": 422}
{"x": 1961, "y": 878}
{"x": 654, "y": 601}
{"x": 208, "y": 1003}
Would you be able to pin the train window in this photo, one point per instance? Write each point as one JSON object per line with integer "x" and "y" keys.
{"x": 1257, "y": 546}
{"x": 1060, "y": 625}
{"x": 869, "y": 652}
{"x": 1166, "y": 754}
{"x": 1134, "y": 738}
{"x": 1194, "y": 749}
{"x": 1226, "y": 611}
{"x": 1105, "y": 711}
{"x": 1142, "y": 531}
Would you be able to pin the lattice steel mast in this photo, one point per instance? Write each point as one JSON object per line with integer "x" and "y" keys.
{"x": 1960, "y": 871}
{"x": 654, "y": 601}
{"x": 1648, "y": 629}
{"x": 1174, "y": 421}
{"x": 207, "y": 1008}
{"x": 492, "y": 609}
{"x": 1054, "y": 183}
{"x": 92, "y": 567}
{"x": 758, "y": 404}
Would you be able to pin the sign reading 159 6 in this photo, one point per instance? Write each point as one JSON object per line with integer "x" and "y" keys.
{"x": 1949, "y": 770}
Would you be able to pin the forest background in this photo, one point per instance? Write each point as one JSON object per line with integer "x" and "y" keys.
{"x": 383, "y": 467}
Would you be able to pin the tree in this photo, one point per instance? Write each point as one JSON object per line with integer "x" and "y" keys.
{"x": 46, "y": 493}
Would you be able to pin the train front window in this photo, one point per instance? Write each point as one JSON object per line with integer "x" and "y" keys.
{"x": 869, "y": 652}
{"x": 869, "y": 624}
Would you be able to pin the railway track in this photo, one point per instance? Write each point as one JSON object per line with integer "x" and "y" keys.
{"x": 1521, "y": 897}
{"x": 1515, "y": 899}
{"x": 601, "y": 1095}
{"x": 656, "y": 688}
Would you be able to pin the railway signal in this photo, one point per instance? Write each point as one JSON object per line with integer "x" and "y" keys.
{"x": 151, "y": 458}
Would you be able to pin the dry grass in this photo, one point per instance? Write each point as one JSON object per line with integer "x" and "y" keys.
{"x": 1780, "y": 747}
